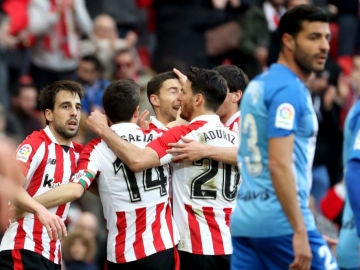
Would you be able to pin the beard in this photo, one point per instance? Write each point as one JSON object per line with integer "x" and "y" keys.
{"x": 65, "y": 133}
{"x": 306, "y": 62}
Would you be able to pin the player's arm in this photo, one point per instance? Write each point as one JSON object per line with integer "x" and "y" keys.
{"x": 61, "y": 195}
{"x": 54, "y": 224}
{"x": 283, "y": 179}
{"x": 192, "y": 150}
{"x": 136, "y": 158}
{"x": 11, "y": 170}
{"x": 353, "y": 189}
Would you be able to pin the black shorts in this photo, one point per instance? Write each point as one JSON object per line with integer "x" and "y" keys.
{"x": 203, "y": 262}
{"x": 163, "y": 260}
{"x": 26, "y": 260}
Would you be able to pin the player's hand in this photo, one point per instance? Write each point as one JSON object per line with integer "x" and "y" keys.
{"x": 302, "y": 252}
{"x": 188, "y": 150}
{"x": 53, "y": 224}
{"x": 182, "y": 76}
{"x": 142, "y": 119}
{"x": 178, "y": 121}
{"x": 97, "y": 122}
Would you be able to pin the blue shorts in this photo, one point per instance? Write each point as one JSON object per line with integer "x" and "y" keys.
{"x": 276, "y": 253}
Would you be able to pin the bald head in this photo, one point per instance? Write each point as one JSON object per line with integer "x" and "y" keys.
{"x": 105, "y": 27}
{"x": 87, "y": 221}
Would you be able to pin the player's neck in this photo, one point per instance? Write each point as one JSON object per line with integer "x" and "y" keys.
{"x": 201, "y": 113}
{"x": 163, "y": 120}
{"x": 227, "y": 116}
{"x": 289, "y": 61}
{"x": 59, "y": 138}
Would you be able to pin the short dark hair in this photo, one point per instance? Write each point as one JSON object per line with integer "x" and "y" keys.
{"x": 154, "y": 85}
{"x": 48, "y": 94}
{"x": 120, "y": 100}
{"x": 235, "y": 77}
{"x": 94, "y": 60}
{"x": 210, "y": 84}
{"x": 291, "y": 21}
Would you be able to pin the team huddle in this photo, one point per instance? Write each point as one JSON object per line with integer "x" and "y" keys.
{"x": 224, "y": 187}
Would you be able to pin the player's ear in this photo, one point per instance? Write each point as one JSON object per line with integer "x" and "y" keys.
{"x": 236, "y": 96}
{"x": 136, "y": 112}
{"x": 154, "y": 100}
{"x": 198, "y": 99}
{"x": 48, "y": 115}
{"x": 288, "y": 41}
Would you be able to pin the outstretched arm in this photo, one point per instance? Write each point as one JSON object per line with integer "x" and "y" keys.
{"x": 192, "y": 150}
{"x": 136, "y": 158}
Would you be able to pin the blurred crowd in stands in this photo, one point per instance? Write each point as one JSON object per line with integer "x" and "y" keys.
{"x": 97, "y": 41}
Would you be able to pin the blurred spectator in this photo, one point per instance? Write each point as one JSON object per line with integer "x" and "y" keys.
{"x": 126, "y": 15}
{"x": 89, "y": 223}
{"x": 4, "y": 76}
{"x": 23, "y": 107}
{"x": 89, "y": 74}
{"x": 323, "y": 96}
{"x": 349, "y": 87}
{"x": 9, "y": 125}
{"x": 104, "y": 42}
{"x": 259, "y": 28}
{"x": 57, "y": 26}
{"x": 127, "y": 66}
{"x": 348, "y": 22}
{"x": 79, "y": 248}
{"x": 17, "y": 41}
{"x": 180, "y": 27}
{"x": 13, "y": 21}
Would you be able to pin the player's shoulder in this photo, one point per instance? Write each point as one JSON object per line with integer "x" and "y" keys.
{"x": 93, "y": 143}
{"x": 78, "y": 147}
{"x": 30, "y": 145}
{"x": 35, "y": 139}
{"x": 196, "y": 125}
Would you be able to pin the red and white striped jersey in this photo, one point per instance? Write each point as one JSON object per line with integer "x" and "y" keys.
{"x": 204, "y": 191}
{"x": 136, "y": 205}
{"x": 234, "y": 122}
{"x": 46, "y": 165}
{"x": 156, "y": 124}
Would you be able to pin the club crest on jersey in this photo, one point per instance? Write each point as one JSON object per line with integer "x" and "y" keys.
{"x": 285, "y": 116}
{"x": 24, "y": 152}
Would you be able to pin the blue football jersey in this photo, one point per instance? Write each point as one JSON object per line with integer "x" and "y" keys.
{"x": 275, "y": 104}
{"x": 348, "y": 246}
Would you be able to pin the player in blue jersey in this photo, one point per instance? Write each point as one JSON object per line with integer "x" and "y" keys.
{"x": 348, "y": 247}
{"x": 272, "y": 225}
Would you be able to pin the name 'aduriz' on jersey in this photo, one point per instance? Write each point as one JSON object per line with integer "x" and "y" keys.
{"x": 219, "y": 134}
{"x": 138, "y": 138}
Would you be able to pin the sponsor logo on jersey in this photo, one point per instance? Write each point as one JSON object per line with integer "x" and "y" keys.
{"x": 24, "y": 152}
{"x": 50, "y": 182}
{"x": 251, "y": 195}
{"x": 51, "y": 161}
{"x": 285, "y": 116}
